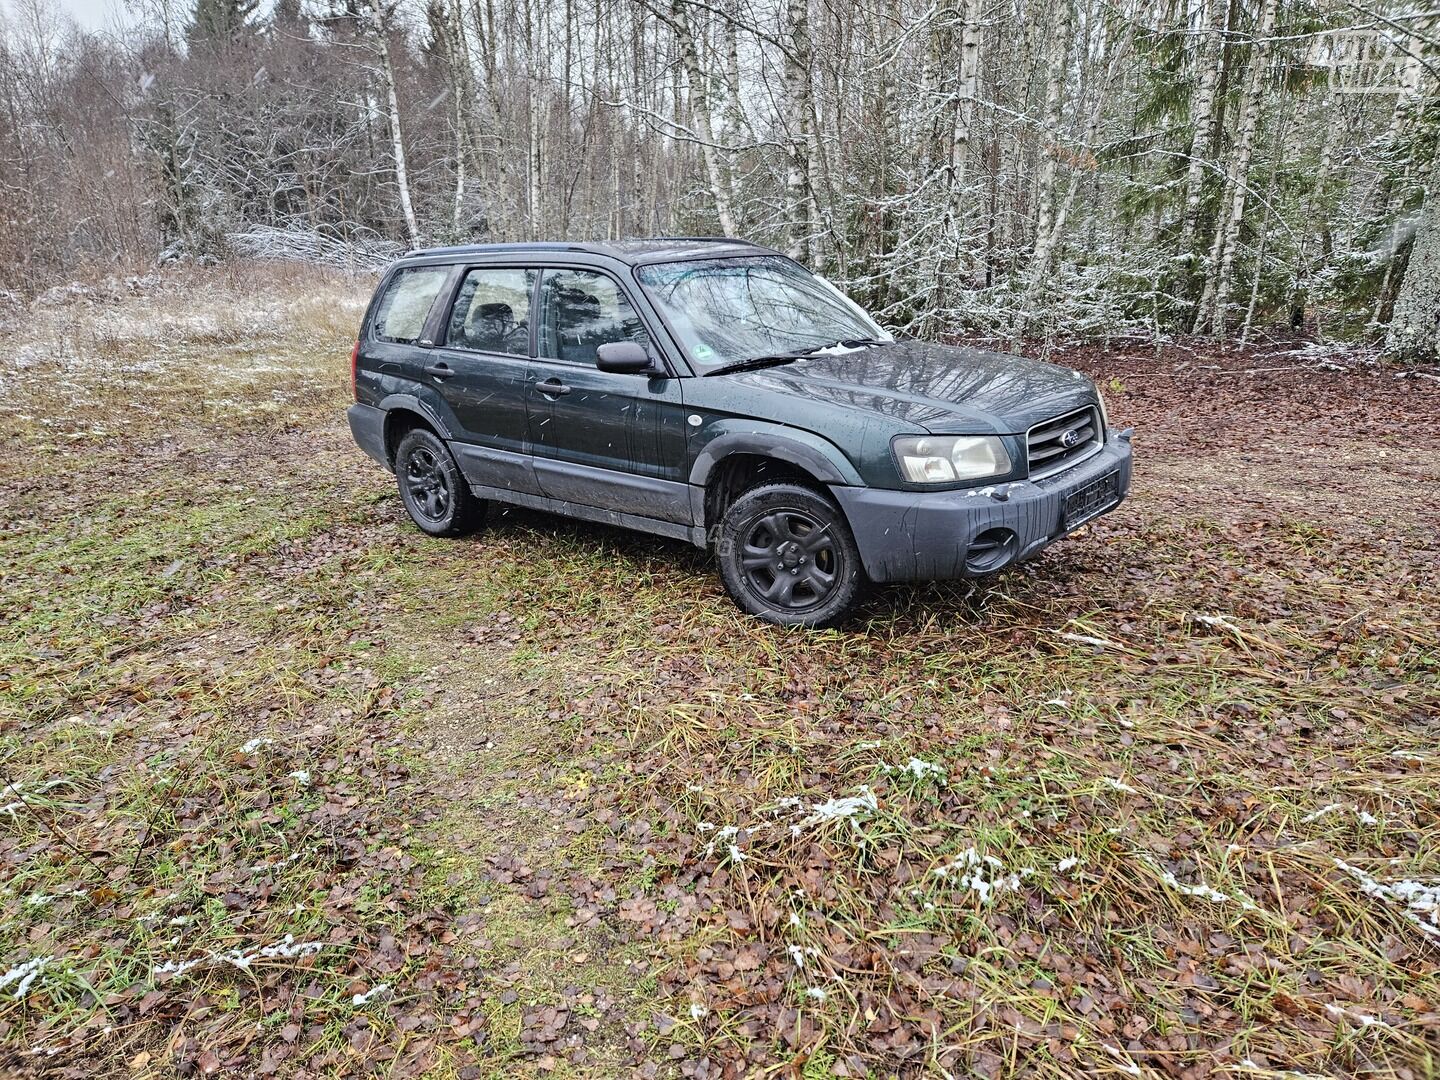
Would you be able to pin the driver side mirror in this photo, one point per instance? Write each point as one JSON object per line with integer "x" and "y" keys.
{"x": 623, "y": 358}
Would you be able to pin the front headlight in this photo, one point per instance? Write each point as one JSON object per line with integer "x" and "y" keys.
{"x": 946, "y": 459}
{"x": 1104, "y": 413}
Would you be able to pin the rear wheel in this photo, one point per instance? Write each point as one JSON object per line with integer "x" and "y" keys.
{"x": 786, "y": 554}
{"x": 432, "y": 488}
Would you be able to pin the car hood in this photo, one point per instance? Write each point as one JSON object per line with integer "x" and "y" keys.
{"x": 936, "y": 388}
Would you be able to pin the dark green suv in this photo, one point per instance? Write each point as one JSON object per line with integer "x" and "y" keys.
{"x": 719, "y": 392}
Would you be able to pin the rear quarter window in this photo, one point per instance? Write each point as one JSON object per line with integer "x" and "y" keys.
{"x": 409, "y": 296}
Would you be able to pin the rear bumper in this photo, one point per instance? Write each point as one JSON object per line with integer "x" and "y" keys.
{"x": 367, "y": 425}
{"x": 915, "y": 536}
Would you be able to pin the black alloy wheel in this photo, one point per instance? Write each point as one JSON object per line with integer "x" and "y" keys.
{"x": 789, "y": 559}
{"x": 432, "y": 488}
{"x": 428, "y": 484}
{"x": 788, "y": 556}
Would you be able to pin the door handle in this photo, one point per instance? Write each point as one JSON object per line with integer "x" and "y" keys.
{"x": 552, "y": 387}
{"x": 439, "y": 369}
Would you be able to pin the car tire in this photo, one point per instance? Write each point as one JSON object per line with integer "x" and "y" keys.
{"x": 432, "y": 487}
{"x": 787, "y": 555}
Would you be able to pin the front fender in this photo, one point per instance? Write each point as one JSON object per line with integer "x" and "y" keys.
{"x": 819, "y": 457}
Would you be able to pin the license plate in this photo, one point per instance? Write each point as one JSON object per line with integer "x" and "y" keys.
{"x": 1084, "y": 503}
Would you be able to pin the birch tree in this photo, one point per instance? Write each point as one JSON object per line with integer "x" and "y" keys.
{"x": 698, "y": 82}
{"x": 380, "y": 13}
{"x": 1414, "y": 332}
{"x": 1203, "y": 115}
{"x": 797, "y": 99}
{"x": 1050, "y": 149}
{"x": 966, "y": 95}
{"x": 1212, "y": 308}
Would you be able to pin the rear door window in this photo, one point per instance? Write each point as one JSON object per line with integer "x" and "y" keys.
{"x": 492, "y": 312}
{"x": 407, "y": 302}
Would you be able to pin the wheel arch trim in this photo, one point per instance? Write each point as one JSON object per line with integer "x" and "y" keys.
{"x": 402, "y": 403}
{"x": 816, "y": 456}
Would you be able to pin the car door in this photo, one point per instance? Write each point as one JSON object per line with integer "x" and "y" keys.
{"x": 604, "y": 439}
{"x": 482, "y": 368}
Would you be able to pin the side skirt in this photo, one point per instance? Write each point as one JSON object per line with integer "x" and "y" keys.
{"x": 653, "y": 526}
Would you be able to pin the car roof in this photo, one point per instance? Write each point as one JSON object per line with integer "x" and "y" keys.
{"x": 631, "y": 251}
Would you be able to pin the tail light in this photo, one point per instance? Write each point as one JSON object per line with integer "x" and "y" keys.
{"x": 355, "y": 371}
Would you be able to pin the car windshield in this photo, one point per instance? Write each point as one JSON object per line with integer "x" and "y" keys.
{"x": 728, "y": 311}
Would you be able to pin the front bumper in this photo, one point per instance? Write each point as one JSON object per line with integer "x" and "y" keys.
{"x": 926, "y": 536}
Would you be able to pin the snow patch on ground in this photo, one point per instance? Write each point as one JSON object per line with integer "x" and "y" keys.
{"x": 916, "y": 769}
{"x": 848, "y": 807}
{"x": 1203, "y": 891}
{"x": 286, "y": 949}
{"x": 1419, "y": 902}
{"x": 1362, "y": 816}
{"x": 23, "y": 975}
{"x": 1122, "y": 1062}
{"x": 984, "y": 875}
{"x": 379, "y": 990}
{"x": 1359, "y": 1018}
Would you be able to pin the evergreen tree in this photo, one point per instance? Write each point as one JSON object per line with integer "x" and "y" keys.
{"x": 288, "y": 16}
{"x": 219, "y": 23}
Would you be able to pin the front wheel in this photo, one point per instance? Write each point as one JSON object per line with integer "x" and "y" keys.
{"x": 786, "y": 554}
{"x": 432, "y": 488}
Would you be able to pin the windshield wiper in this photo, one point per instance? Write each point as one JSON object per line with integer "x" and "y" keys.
{"x": 757, "y": 362}
{"x": 776, "y": 359}
{"x": 848, "y": 343}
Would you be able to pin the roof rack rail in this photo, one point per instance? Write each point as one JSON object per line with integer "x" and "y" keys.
{"x": 623, "y": 249}
{"x": 516, "y": 245}
{"x": 711, "y": 239}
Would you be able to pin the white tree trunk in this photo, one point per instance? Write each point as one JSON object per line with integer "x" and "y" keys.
{"x": 457, "y": 212}
{"x": 380, "y": 21}
{"x": 536, "y": 115}
{"x": 458, "y": 51}
{"x": 797, "y": 100}
{"x": 1414, "y": 332}
{"x": 967, "y": 94}
{"x": 535, "y": 195}
{"x": 700, "y": 110}
{"x": 1045, "y": 231}
{"x": 1203, "y": 114}
{"x": 924, "y": 150}
{"x": 1227, "y": 233}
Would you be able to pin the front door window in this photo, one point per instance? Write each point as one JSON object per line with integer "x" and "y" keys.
{"x": 582, "y": 310}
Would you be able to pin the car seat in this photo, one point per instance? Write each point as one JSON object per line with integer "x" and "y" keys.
{"x": 488, "y": 327}
{"x": 579, "y": 327}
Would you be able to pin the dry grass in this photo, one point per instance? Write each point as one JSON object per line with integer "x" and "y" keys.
{"x": 209, "y": 344}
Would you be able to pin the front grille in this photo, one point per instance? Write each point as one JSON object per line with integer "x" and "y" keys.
{"x": 1064, "y": 441}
